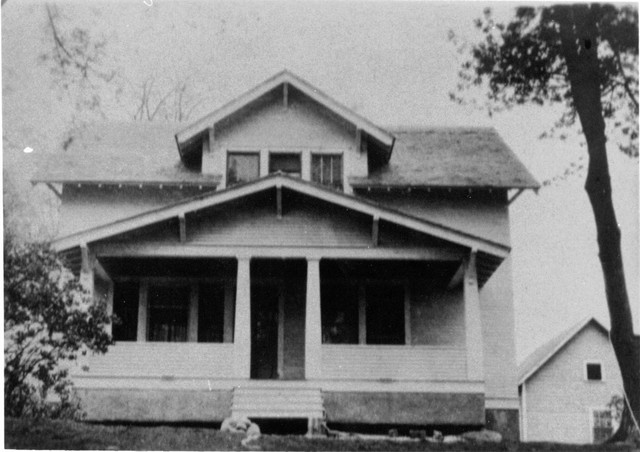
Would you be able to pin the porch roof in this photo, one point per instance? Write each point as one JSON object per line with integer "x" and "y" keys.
{"x": 490, "y": 254}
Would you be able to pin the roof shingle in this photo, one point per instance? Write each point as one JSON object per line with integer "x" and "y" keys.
{"x": 138, "y": 152}
{"x": 450, "y": 157}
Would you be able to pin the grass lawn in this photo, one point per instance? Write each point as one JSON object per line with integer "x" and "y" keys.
{"x": 43, "y": 434}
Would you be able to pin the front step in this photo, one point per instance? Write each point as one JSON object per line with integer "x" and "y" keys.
{"x": 277, "y": 403}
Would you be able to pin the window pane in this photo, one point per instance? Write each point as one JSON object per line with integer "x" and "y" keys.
{"x": 385, "y": 314}
{"x": 327, "y": 170}
{"x": 602, "y": 425}
{"x": 285, "y": 163}
{"x": 594, "y": 371}
{"x": 339, "y": 307}
{"x": 242, "y": 168}
{"x": 168, "y": 313}
{"x": 125, "y": 307}
{"x": 211, "y": 313}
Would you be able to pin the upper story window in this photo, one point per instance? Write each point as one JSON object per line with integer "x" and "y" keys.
{"x": 593, "y": 371}
{"x": 288, "y": 164}
{"x": 242, "y": 167}
{"x": 326, "y": 169}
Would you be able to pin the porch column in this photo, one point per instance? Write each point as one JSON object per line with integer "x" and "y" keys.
{"x": 312, "y": 326}
{"x": 473, "y": 324}
{"x": 242, "y": 329}
{"x": 86, "y": 269}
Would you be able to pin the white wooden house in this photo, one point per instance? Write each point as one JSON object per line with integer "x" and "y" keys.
{"x": 566, "y": 385}
{"x": 285, "y": 257}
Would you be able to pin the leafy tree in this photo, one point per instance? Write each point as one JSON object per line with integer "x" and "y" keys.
{"x": 585, "y": 57}
{"x": 49, "y": 319}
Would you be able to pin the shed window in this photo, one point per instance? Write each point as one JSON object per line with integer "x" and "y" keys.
{"x": 168, "y": 313}
{"x": 385, "y": 314}
{"x": 288, "y": 164}
{"x": 125, "y": 308}
{"x": 211, "y": 313}
{"x": 594, "y": 371}
{"x": 339, "y": 303}
{"x": 242, "y": 167}
{"x": 602, "y": 425}
{"x": 327, "y": 170}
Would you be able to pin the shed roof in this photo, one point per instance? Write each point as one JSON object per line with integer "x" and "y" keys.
{"x": 139, "y": 152}
{"x": 548, "y": 350}
{"x": 450, "y": 157}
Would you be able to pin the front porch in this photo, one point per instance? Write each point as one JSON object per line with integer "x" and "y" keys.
{"x": 291, "y": 287}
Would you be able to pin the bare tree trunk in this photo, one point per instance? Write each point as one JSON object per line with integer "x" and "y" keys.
{"x": 578, "y": 31}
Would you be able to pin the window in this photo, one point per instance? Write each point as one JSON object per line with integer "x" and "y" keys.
{"x": 326, "y": 169}
{"x": 602, "y": 426}
{"x": 385, "y": 314}
{"x": 211, "y": 313}
{"x": 594, "y": 371}
{"x": 168, "y": 313}
{"x": 242, "y": 167}
{"x": 125, "y": 307}
{"x": 288, "y": 164}
{"x": 339, "y": 313}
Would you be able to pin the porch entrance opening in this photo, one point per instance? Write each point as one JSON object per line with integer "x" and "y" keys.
{"x": 278, "y": 291}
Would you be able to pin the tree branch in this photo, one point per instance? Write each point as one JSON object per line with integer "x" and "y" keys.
{"x": 627, "y": 88}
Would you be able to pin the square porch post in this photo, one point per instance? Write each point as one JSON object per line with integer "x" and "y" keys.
{"x": 242, "y": 328}
{"x": 473, "y": 323}
{"x": 313, "y": 329}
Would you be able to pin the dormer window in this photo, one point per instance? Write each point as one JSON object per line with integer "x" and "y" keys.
{"x": 326, "y": 169}
{"x": 288, "y": 164}
{"x": 242, "y": 167}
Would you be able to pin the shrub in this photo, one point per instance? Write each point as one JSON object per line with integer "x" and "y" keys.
{"x": 49, "y": 319}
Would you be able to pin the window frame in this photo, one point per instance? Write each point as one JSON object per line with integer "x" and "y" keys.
{"x": 361, "y": 285}
{"x": 177, "y": 285}
{"x": 272, "y": 153}
{"x": 323, "y": 155}
{"x": 244, "y": 153}
{"x": 592, "y": 422}
{"x": 114, "y": 291}
{"x": 586, "y": 373}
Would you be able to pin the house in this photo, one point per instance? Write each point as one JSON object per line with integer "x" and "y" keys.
{"x": 565, "y": 387}
{"x": 285, "y": 257}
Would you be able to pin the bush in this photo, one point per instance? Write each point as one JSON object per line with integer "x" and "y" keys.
{"x": 49, "y": 319}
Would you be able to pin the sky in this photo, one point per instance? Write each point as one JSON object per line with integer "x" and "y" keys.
{"x": 390, "y": 61}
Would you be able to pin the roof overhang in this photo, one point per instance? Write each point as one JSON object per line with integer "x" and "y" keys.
{"x": 489, "y": 254}
{"x": 284, "y": 77}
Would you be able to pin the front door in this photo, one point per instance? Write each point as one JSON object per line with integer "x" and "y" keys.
{"x": 264, "y": 331}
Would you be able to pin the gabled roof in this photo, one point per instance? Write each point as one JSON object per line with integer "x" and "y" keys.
{"x": 284, "y": 77}
{"x": 121, "y": 153}
{"x": 545, "y": 352}
{"x": 450, "y": 157}
{"x": 485, "y": 247}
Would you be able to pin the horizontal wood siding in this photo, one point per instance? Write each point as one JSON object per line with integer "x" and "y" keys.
{"x": 259, "y": 225}
{"x": 185, "y": 360}
{"x": 393, "y": 362}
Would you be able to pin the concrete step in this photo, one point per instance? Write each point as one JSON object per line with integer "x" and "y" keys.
{"x": 280, "y": 414}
